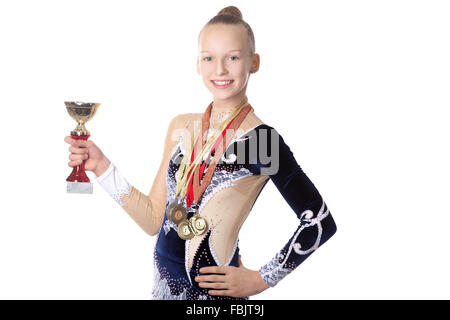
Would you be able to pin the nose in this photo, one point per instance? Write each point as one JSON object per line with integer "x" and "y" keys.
{"x": 220, "y": 68}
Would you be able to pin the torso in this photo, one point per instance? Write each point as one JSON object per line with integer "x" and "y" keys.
{"x": 225, "y": 205}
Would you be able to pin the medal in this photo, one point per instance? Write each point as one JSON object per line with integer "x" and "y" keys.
{"x": 177, "y": 213}
{"x": 184, "y": 230}
{"x": 198, "y": 224}
{"x": 188, "y": 174}
{"x": 170, "y": 208}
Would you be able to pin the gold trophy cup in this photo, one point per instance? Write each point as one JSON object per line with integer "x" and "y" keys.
{"x": 81, "y": 112}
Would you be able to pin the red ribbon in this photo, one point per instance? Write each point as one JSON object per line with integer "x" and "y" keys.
{"x": 190, "y": 189}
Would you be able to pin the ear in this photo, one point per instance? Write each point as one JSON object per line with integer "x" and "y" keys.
{"x": 255, "y": 63}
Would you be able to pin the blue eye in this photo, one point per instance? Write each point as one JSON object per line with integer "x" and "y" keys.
{"x": 204, "y": 59}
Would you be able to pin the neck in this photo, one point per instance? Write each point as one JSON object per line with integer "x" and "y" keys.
{"x": 228, "y": 104}
{"x": 221, "y": 110}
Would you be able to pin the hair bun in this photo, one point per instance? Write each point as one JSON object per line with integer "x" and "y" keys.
{"x": 231, "y": 10}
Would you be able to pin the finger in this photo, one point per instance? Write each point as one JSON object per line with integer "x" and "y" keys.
{"x": 83, "y": 156}
{"x": 68, "y": 139}
{"x": 75, "y": 163}
{"x": 220, "y": 293}
{"x": 213, "y": 285}
{"x": 78, "y": 150}
{"x": 214, "y": 269}
{"x": 211, "y": 278}
{"x": 82, "y": 143}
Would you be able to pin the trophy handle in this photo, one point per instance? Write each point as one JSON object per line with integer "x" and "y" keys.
{"x": 78, "y": 173}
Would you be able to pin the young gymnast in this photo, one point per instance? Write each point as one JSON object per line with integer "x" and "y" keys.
{"x": 214, "y": 166}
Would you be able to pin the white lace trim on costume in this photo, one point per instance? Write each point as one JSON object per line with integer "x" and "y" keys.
{"x": 214, "y": 254}
{"x": 114, "y": 183}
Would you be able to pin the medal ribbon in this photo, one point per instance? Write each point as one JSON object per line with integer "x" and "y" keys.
{"x": 185, "y": 171}
{"x": 195, "y": 189}
{"x": 190, "y": 173}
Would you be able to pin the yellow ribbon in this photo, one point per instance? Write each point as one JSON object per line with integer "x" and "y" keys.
{"x": 185, "y": 168}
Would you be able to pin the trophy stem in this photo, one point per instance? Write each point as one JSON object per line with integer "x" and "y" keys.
{"x": 78, "y": 173}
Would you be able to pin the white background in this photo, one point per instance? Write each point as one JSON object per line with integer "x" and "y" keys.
{"x": 358, "y": 89}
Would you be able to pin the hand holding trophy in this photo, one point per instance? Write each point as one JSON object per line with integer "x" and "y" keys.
{"x": 78, "y": 181}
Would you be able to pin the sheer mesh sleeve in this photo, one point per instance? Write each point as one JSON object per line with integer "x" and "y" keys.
{"x": 146, "y": 210}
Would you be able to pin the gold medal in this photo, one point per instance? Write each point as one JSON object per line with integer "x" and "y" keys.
{"x": 198, "y": 224}
{"x": 184, "y": 230}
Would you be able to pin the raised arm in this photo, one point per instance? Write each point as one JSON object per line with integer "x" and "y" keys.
{"x": 146, "y": 210}
{"x": 316, "y": 225}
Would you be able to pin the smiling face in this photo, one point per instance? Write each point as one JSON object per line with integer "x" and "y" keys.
{"x": 224, "y": 55}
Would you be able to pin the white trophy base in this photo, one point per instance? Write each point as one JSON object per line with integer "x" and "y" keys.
{"x": 80, "y": 187}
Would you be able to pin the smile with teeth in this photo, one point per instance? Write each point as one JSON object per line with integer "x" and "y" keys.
{"x": 221, "y": 83}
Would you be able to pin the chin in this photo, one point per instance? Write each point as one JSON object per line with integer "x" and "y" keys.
{"x": 223, "y": 95}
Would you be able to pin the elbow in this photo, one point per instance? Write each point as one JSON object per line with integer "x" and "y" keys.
{"x": 329, "y": 227}
{"x": 151, "y": 232}
{"x": 149, "y": 229}
{"x": 154, "y": 233}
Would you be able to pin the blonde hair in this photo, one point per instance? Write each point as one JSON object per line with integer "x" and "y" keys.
{"x": 232, "y": 15}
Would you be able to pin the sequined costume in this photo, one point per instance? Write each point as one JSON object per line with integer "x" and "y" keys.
{"x": 238, "y": 179}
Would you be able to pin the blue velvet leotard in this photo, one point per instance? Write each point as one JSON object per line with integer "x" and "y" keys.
{"x": 245, "y": 159}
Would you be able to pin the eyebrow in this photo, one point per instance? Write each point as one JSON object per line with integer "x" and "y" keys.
{"x": 228, "y": 51}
